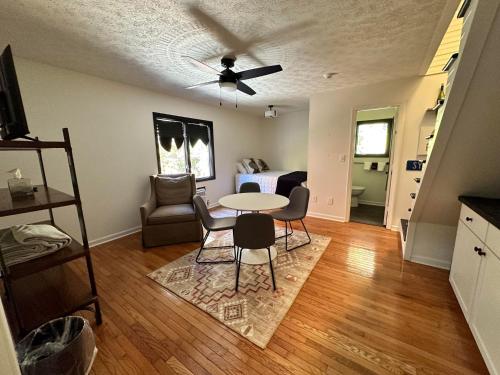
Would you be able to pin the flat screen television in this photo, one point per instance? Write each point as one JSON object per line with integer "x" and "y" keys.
{"x": 12, "y": 118}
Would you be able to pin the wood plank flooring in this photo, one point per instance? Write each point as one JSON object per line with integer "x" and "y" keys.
{"x": 362, "y": 311}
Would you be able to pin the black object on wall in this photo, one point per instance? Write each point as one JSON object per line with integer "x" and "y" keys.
{"x": 12, "y": 118}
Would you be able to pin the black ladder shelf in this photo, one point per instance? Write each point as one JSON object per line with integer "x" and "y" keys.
{"x": 46, "y": 288}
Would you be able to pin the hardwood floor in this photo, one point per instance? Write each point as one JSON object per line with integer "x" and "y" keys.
{"x": 362, "y": 311}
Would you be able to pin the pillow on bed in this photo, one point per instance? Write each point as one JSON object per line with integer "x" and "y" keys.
{"x": 257, "y": 166}
{"x": 262, "y": 165}
{"x": 250, "y": 166}
{"x": 241, "y": 168}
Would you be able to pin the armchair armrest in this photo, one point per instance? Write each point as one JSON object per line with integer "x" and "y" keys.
{"x": 146, "y": 210}
{"x": 148, "y": 207}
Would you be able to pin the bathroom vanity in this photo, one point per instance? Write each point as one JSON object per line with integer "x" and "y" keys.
{"x": 475, "y": 273}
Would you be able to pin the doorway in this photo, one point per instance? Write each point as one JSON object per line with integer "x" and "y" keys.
{"x": 371, "y": 161}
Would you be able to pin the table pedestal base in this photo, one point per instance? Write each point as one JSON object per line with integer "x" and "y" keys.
{"x": 257, "y": 256}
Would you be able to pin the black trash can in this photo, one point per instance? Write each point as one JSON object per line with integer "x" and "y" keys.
{"x": 61, "y": 346}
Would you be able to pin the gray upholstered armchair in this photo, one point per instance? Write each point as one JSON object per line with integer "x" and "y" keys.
{"x": 169, "y": 216}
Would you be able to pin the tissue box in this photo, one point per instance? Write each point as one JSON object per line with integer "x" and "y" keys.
{"x": 20, "y": 188}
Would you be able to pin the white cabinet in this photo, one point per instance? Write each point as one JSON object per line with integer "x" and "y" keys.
{"x": 475, "y": 278}
{"x": 465, "y": 267}
{"x": 486, "y": 315}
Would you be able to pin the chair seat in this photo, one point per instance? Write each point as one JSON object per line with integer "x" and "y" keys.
{"x": 287, "y": 215}
{"x": 222, "y": 223}
{"x": 172, "y": 214}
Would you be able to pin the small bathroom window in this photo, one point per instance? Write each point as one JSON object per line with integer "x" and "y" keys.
{"x": 373, "y": 138}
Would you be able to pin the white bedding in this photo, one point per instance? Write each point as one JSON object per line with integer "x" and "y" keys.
{"x": 267, "y": 180}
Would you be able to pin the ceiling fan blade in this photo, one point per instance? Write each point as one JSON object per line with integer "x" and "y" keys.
{"x": 202, "y": 84}
{"x": 245, "y": 88}
{"x": 259, "y": 72}
{"x": 246, "y": 52}
{"x": 201, "y": 65}
{"x": 288, "y": 33}
{"x": 226, "y": 37}
{"x": 254, "y": 58}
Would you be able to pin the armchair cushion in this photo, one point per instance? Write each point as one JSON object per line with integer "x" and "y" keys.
{"x": 173, "y": 190}
{"x": 172, "y": 214}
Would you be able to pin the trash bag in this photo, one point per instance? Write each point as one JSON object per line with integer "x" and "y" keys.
{"x": 64, "y": 346}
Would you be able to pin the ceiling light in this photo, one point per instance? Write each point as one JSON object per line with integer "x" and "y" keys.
{"x": 329, "y": 75}
{"x": 228, "y": 86}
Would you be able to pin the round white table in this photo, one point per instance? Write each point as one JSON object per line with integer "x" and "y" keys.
{"x": 255, "y": 202}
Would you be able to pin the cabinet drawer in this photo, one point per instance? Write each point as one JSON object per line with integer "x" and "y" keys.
{"x": 493, "y": 239}
{"x": 474, "y": 222}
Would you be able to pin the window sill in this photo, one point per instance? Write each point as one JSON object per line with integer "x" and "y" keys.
{"x": 205, "y": 179}
{"x": 371, "y": 156}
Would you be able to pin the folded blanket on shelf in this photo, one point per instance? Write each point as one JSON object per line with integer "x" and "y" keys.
{"x": 40, "y": 234}
{"x": 36, "y": 242}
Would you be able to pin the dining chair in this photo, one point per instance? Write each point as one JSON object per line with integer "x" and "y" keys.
{"x": 295, "y": 211}
{"x": 249, "y": 187}
{"x": 212, "y": 224}
{"x": 253, "y": 231}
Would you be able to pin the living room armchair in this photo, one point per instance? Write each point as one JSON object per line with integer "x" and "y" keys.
{"x": 169, "y": 216}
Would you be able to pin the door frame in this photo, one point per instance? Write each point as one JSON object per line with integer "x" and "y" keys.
{"x": 393, "y": 158}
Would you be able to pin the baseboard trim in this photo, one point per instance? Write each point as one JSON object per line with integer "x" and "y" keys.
{"x": 114, "y": 236}
{"x": 319, "y": 215}
{"x": 126, "y": 232}
{"x": 394, "y": 228}
{"x": 433, "y": 262}
{"x": 371, "y": 203}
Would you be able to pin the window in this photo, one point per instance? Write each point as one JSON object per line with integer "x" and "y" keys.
{"x": 184, "y": 145}
{"x": 373, "y": 138}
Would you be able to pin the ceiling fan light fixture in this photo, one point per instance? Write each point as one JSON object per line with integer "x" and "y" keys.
{"x": 228, "y": 86}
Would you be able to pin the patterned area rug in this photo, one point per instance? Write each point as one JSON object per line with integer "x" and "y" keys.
{"x": 255, "y": 311}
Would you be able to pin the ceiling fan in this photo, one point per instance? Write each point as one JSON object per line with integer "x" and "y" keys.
{"x": 235, "y": 45}
{"x": 230, "y": 80}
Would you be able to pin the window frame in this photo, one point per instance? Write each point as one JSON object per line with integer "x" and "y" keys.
{"x": 187, "y": 154}
{"x": 389, "y": 122}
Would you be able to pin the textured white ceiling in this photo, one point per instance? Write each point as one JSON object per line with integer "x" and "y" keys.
{"x": 141, "y": 42}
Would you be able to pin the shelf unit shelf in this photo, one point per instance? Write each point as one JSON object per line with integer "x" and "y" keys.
{"x": 74, "y": 251}
{"x": 29, "y": 145}
{"x": 49, "y": 294}
{"x": 48, "y": 287}
{"x": 44, "y": 198}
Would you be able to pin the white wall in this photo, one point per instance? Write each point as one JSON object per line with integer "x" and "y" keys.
{"x": 374, "y": 181}
{"x": 331, "y": 123}
{"x": 111, "y": 129}
{"x": 285, "y": 140}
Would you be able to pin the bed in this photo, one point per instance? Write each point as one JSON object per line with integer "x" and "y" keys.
{"x": 267, "y": 180}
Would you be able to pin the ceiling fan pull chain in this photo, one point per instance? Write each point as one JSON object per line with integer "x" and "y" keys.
{"x": 220, "y": 98}
{"x": 236, "y": 99}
